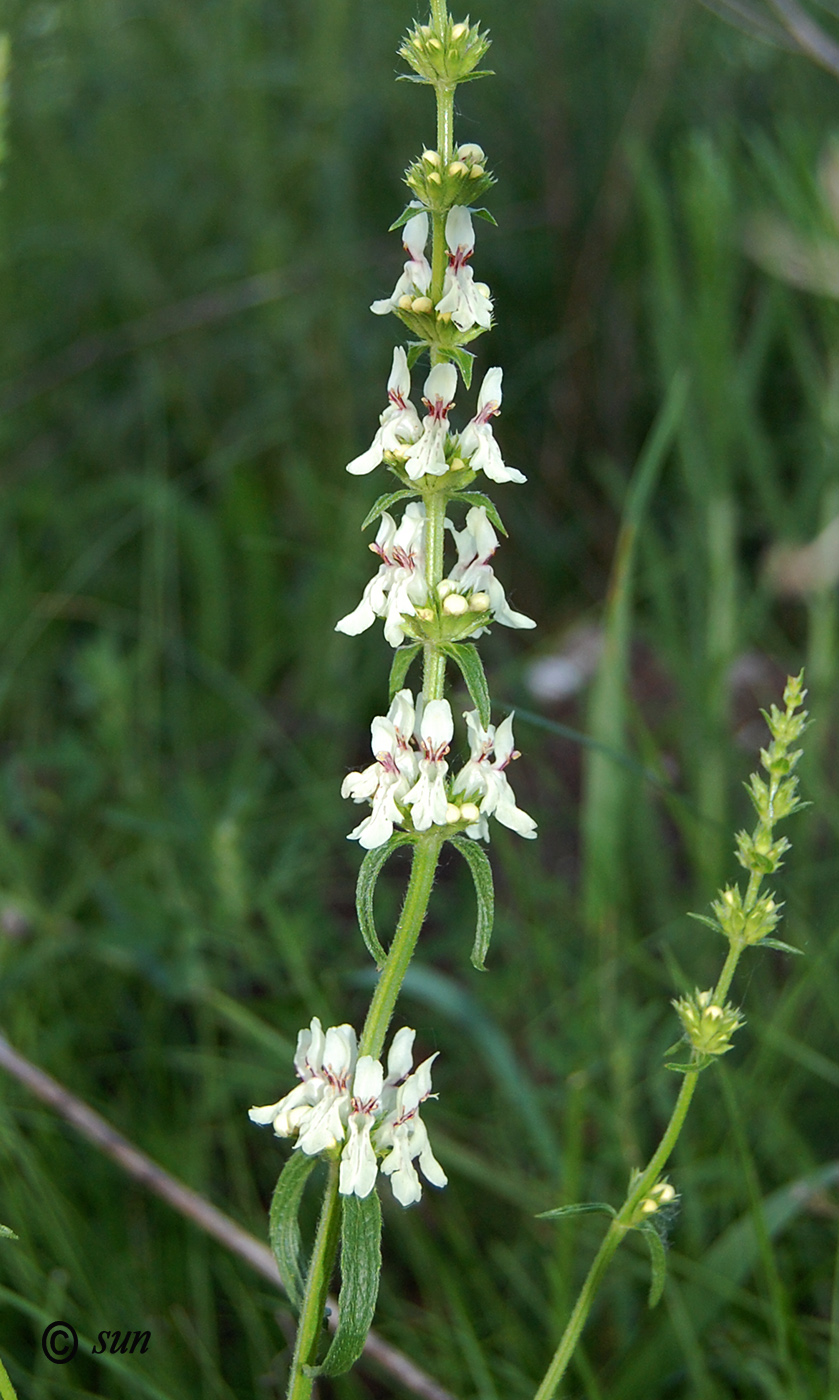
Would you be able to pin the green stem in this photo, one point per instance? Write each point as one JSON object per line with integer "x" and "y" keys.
{"x": 641, "y": 1186}
{"x": 423, "y": 870}
{"x": 322, "y": 1263}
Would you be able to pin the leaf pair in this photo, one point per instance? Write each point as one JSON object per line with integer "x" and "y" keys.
{"x": 361, "y": 1260}
{"x": 375, "y": 861}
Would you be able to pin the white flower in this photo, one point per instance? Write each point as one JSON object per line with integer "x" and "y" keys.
{"x": 465, "y": 300}
{"x": 398, "y": 424}
{"x": 346, "y": 1100}
{"x": 416, "y": 275}
{"x": 428, "y": 456}
{"x": 386, "y": 781}
{"x": 477, "y": 443}
{"x": 402, "y": 1133}
{"x": 435, "y": 728}
{"x": 472, "y": 573}
{"x": 399, "y": 583}
{"x": 486, "y": 778}
{"x": 359, "y": 1168}
{"x": 317, "y": 1109}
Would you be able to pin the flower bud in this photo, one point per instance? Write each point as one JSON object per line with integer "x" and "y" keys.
{"x": 422, "y": 305}
{"x": 452, "y": 813}
{"x": 458, "y": 168}
{"x": 444, "y": 587}
{"x": 479, "y": 602}
{"x": 708, "y": 1027}
{"x": 455, "y": 605}
{"x": 431, "y": 157}
{"x": 470, "y": 812}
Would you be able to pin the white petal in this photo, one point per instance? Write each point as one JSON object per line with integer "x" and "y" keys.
{"x": 490, "y": 389}
{"x": 400, "y": 1059}
{"x": 441, "y": 384}
{"x": 357, "y": 621}
{"x": 415, "y": 236}
{"x": 358, "y": 1171}
{"x": 368, "y": 1080}
{"x": 459, "y": 231}
{"x": 437, "y": 724}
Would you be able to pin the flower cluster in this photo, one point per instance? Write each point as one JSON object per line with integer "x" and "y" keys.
{"x": 708, "y": 1026}
{"x": 407, "y": 784}
{"x": 415, "y": 448}
{"x": 461, "y": 605}
{"x": 345, "y": 1101}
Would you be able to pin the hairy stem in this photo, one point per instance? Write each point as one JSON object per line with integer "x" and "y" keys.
{"x": 641, "y": 1186}
{"x": 426, "y": 855}
{"x": 310, "y": 1326}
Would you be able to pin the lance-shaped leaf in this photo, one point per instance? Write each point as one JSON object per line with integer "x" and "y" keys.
{"x": 468, "y": 658}
{"x": 283, "y": 1227}
{"x": 477, "y": 498}
{"x": 361, "y": 1263}
{"x": 371, "y": 869}
{"x": 585, "y": 1208}
{"x": 781, "y": 947}
{"x": 478, "y": 862}
{"x": 658, "y": 1261}
{"x": 464, "y": 359}
{"x": 403, "y": 659}
{"x": 384, "y": 503}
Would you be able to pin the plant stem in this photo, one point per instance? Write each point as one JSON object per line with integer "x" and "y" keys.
{"x": 317, "y": 1285}
{"x": 423, "y": 870}
{"x": 624, "y": 1218}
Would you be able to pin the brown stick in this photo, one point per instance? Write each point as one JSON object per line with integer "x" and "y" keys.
{"x": 192, "y": 1205}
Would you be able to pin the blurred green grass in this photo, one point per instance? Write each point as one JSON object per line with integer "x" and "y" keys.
{"x": 193, "y": 224}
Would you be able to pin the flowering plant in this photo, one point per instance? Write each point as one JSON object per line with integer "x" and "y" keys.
{"x": 350, "y": 1110}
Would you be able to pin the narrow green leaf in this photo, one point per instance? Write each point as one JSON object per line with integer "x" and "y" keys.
{"x": 7, "y": 1234}
{"x": 361, "y": 1262}
{"x": 383, "y": 504}
{"x": 464, "y": 359}
{"x": 478, "y": 861}
{"x": 485, "y": 214}
{"x": 477, "y": 498}
{"x": 407, "y": 213}
{"x": 587, "y": 1208}
{"x": 415, "y": 349}
{"x": 283, "y": 1228}
{"x": 403, "y": 659}
{"x": 468, "y": 658}
{"x": 658, "y": 1261}
{"x": 709, "y": 923}
{"x": 781, "y": 947}
{"x": 371, "y": 869}
{"x": 689, "y": 1068}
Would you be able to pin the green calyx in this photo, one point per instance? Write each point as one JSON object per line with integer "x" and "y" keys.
{"x": 440, "y": 186}
{"x": 445, "y": 53}
{"x": 707, "y": 1026}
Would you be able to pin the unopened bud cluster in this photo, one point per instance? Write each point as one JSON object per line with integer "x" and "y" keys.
{"x": 661, "y": 1196}
{"x": 444, "y": 54}
{"x": 746, "y": 919}
{"x": 439, "y": 184}
{"x": 707, "y": 1026}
